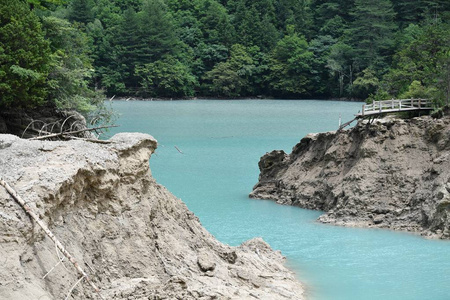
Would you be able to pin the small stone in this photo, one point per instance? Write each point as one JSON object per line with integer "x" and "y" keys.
{"x": 205, "y": 261}
{"x": 378, "y": 219}
{"x": 229, "y": 256}
{"x": 243, "y": 275}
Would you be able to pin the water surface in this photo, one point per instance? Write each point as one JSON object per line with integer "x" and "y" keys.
{"x": 221, "y": 143}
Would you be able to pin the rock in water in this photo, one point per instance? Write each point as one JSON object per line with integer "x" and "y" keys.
{"x": 392, "y": 173}
{"x": 134, "y": 238}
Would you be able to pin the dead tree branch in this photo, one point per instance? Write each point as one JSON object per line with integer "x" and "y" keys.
{"x": 88, "y": 140}
{"x": 32, "y": 127}
{"x": 69, "y": 133}
{"x": 58, "y": 244}
{"x": 71, "y": 289}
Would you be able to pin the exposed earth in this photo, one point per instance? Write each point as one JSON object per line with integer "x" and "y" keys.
{"x": 393, "y": 173}
{"x": 132, "y": 236}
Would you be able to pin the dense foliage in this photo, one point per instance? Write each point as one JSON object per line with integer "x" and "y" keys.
{"x": 223, "y": 48}
{"x": 45, "y": 60}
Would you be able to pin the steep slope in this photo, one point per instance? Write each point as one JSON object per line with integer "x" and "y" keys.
{"x": 134, "y": 238}
{"x": 392, "y": 173}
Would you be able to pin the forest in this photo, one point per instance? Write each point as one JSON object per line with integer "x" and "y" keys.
{"x": 73, "y": 53}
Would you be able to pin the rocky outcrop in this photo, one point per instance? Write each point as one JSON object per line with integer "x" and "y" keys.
{"x": 393, "y": 173}
{"x": 134, "y": 238}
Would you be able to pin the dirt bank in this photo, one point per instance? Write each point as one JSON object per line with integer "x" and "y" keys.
{"x": 392, "y": 173}
{"x": 132, "y": 236}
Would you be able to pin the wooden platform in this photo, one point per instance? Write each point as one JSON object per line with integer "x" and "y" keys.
{"x": 394, "y": 105}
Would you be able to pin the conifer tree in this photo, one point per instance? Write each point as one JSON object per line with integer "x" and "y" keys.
{"x": 81, "y": 11}
{"x": 371, "y": 33}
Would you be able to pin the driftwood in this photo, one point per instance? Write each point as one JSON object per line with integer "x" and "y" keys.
{"x": 179, "y": 150}
{"x": 87, "y": 140}
{"x": 58, "y": 244}
{"x": 66, "y": 133}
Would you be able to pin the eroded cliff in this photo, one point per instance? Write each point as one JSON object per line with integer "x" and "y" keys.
{"x": 392, "y": 173}
{"x": 134, "y": 238}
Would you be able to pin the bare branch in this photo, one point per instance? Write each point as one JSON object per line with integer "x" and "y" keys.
{"x": 62, "y": 126}
{"x": 69, "y": 133}
{"x": 58, "y": 244}
{"x": 71, "y": 289}
{"x": 31, "y": 123}
{"x": 46, "y": 274}
{"x": 88, "y": 140}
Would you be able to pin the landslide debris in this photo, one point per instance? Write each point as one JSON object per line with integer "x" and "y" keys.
{"x": 392, "y": 173}
{"x": 134, "y": 238}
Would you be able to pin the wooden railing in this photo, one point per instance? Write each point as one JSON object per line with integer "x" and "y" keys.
{"x": 395, "y": 105}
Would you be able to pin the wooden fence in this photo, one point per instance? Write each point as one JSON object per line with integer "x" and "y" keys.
{"x": 394, "y": 105}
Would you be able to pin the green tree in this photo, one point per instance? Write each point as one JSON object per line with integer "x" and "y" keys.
{"x": 443, "y": 81}
{"x": 321, "y": 48}
{"x": 415, "y": 90}
{"x": 230, "y": 78}
{"x": 24, "y": 56}
{"x": 366, "y": 84}
{"x": 424, "y": 59}
{"x": 295, "y": 13}
{"x": 166, "y": 78}
{"x": 249, "y": 17}
{"x": 81, "y": 11}
{"x": 215, "y": 23}
{"x": 331, "y": 17}
{"x": 290, "y": 66}
{"x": 141, "y": 38}
{"x": 71, "y": 70}
{"x": 119, "y": 75}
{"x": 340, "y": 62}
{"x": 156, "y": 35}
{"x": 371, "y": 33}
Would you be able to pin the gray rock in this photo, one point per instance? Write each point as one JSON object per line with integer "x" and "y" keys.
{"x": 378, "y": 219}
{"x": 206, "y": 261}
{"x": 392, "y": 173}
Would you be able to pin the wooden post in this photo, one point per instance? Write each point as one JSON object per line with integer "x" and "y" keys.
{"x": 363, "y": 109}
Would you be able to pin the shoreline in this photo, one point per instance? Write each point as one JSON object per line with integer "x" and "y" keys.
{"x": 349, "y": 168}
{"x": 228, "y": 99}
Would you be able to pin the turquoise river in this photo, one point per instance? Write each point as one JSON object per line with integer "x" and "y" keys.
{"x": 221, "y": 142}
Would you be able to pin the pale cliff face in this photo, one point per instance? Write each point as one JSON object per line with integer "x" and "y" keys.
{"x": 393, "y": 174}
{"x": 134, "y": 238}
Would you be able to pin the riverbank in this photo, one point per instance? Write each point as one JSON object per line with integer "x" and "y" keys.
{"x": 132, "y": 237}
{"x": 392, "y": 173}
{"x": 225, "y": 98}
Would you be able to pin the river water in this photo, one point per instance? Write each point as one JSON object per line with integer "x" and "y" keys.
{"x": 221, "y": 142}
